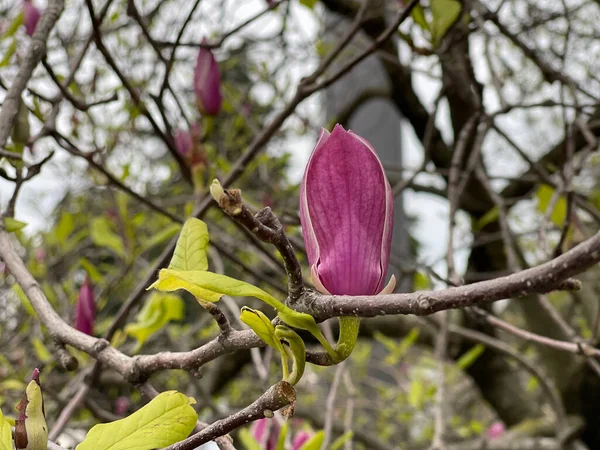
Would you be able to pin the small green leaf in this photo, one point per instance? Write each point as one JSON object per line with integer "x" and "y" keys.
{"x": 160, "y": 237}
{"x": 13, "y": 27}
{"x": 282, "y": 436}
{"x": 13, "y": 225}
{"x": 544, "y": 195}
{"x": 5, "y": 434}
{"x": 190, "y": 251}
{"x": 421, "y": 282}
{"x": 445, "y": 13}
{"x": 467, "y": 360}
{"x": 10, "y": 51}
{"x": 158, "y": 310}
{"x": 12, "y": 384}
{"x": 489, "y": 217}
{"x": 309, "y": 3}
{"x": 40, "y": 350}
{"x": 248, "y": 440}
{"x": 339, "y": 442}
{"x": 91, "y": 270}
{"x": 416, "y": 394}
{"x": 167, "y": 419}
{"x": 418, "y": 15}
{"x": 64, "y": 228}
{"x": 295, "y": 348}
{"x": 315, "y": 442}
{"x": 261, "y": 325}
{"x": 24, "y": 300}
{"x": 103, "y": 236}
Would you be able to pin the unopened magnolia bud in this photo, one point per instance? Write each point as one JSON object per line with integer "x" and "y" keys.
{"x": 216, "y": 190}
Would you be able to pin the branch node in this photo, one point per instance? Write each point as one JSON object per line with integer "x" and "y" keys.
{"x": 68, "y": 361}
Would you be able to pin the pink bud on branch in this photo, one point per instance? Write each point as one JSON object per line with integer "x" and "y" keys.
{"x": 31, "y": 17}
{"x": 85, "y": 310}
{"x": 347, "y": 214}
{"x": 207, "y": 83}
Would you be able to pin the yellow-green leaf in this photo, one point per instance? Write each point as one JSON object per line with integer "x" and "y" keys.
{"x": 315, "y": 442}
{"x": 416, "y": 394}
{"x": 161, "y": 236}
{"x": 158, "y": 310}
{"x": 103, "y": 236}
{"x": 467, "y": 360}
{"x": 261, "y": 325}
{"x": 13, "y": 225}
{"x": 5, "y": 434}
{"x": 444, "y": 14}
{"x": 10, "y": 51}
{"x": 559, "y": 213}
{"x": 91, "y": 270}
{"x": 40, "y": 350}
{"x": 209, "y": 286}
{"x": 308, "y": 3}
{"x": 418, "y": 15}
{"x": 24, "y": 300}
{"x": 167, "y": 419}
{"x": 339, "y": 442}
{"x": 12, "y": 385}
{"x": 190, "y": 251}
{"x": 489, "y": 217}
{"x": 248, "y": 440}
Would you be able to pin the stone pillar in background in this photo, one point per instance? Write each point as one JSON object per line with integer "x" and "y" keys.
{"x": 363, "y": 91}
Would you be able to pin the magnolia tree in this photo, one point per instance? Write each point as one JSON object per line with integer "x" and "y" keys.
{"x": 185, "y": 290}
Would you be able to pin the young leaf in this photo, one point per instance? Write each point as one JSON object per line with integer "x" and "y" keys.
{"x": 161, "y": 236}
{"x": 418, "y": 15}
{"x": 296, "y": 349}
{"x": 339, "y": 442}
{"x": 103, "y": 236}
{"x": 210, "y": 286}
{"x": 445, "y": 13}
{"x": 315, "y": 442}
{"x": 158, "y": 310}
{"x": 5, "y": 434}
{"x": 167, "y": 419}
{"x": 190, "y": 251}
{"x": 261, "y": 325}
{"x": 544, "y": 195}
{"x": 467, "y": 360}
{"x": 282, "y": 436}
{"x": 248, "y": 441}
{"x": 12, "y": 225}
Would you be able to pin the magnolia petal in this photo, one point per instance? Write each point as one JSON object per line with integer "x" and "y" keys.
{"x": 318, "y": 285}
{"x": 389, "y": 288}
{"x": 346, "y": 209}
{"x": 310, "y": 240}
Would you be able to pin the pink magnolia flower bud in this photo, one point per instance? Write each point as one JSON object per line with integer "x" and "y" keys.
{"x": 207, "y": 83}
{"x": 31, "y": 17}
{"x": 496, "y": 430}
{"x": 347, "y": 215}
{"x": 300, "y": 439}
{"x": 122, "y": 405}
{"x": 85, "y": 310}
{"x": 183, "y": 142}
{"x": 260, "y": 430}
